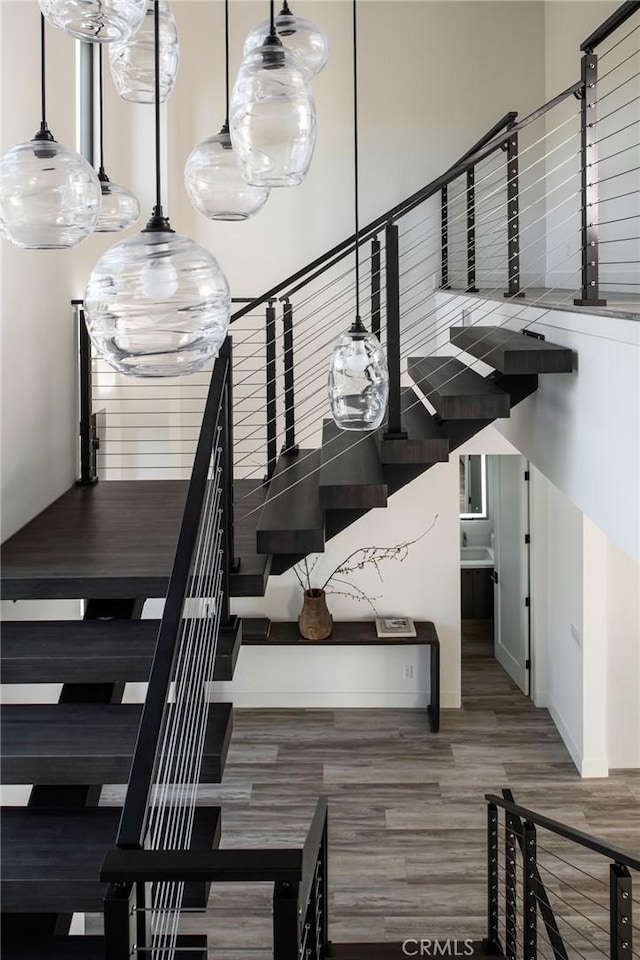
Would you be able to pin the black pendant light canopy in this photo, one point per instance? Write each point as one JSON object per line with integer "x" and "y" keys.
{"x": 212, "y": 174}
{"x": 157, "y": 304}
{"x": 49, "y": 194}
{"x": 305, "y": 39}
{"x": 358, "y": 384}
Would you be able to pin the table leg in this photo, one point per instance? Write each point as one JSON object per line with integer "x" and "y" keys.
{"x": 433, "y": 710}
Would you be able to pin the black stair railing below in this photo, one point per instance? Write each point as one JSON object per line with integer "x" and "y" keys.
{"x": 159, "y": 806}
{"x": 581, "y": 887}
{"x": 299, "y": 877}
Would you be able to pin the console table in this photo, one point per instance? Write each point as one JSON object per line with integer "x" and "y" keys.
{"x": 362, "y": 633}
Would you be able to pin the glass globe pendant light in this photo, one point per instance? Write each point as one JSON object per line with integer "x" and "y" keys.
{"x": 273, "y": 115}
{"x": 212, "y": 175}
{"x": 49, "y": 194}
{"x": 119, "y": 208}
{"x": 133, "y": 61}
{"x": 358, "y": 384}
{"x": 308, "y": 41}
{"x": 99, "y": 21}
{"x": 157, "y": 304}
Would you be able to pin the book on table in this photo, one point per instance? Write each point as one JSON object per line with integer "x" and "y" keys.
{"x": 395, "y": 627}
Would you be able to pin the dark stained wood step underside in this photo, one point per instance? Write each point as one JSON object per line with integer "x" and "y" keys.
{"x": 51, "y": 859}
{"x": 92, "y": 651}
{"x": 351, "y": 476}
{"x": 118, "y": 539}
{"x": 69, "y": 743}
{"x": 425, "y": 441}
{"x": 457, "y": 392}
{"x": 512, "y": 352}
{"x": 292, "y": 520}
{"x": 89, "y": 948}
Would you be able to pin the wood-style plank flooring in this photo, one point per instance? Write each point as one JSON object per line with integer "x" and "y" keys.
{"x": 407, "y": 817}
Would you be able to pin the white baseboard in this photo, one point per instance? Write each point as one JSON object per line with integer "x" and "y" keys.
{"x": 323, "y": 700}
{"x": 587, "y": 767}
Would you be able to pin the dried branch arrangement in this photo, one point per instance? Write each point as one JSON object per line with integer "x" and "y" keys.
{"x": 339, "y": 583}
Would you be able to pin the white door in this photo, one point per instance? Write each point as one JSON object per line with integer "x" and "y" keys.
{"x": 511, "y": 613}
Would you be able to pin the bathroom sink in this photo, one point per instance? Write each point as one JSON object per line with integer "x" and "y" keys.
{"x": 476, "y": 556}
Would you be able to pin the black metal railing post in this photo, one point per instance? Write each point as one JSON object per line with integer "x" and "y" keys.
{"x": 375, "y": 288}
{"x": 589, "y": 184}
{"x": 493, "y": 933}
{"x": 324, "y": 889}
{"x": 471, "y": 230}
{"x": 229, "y": 564}
{"x": 620, "y": 909}
{"x": 120, "y": 921}
{"x": 444, "y": 238}
{"x": 272, "y": 432}
{"x": 529, "y": 892}
{"x": 394, "y": 418}
{"x": 513, "y": 216}
{"x": 285, "y": 921}
{"x": 510, "y": 881}
{"x": 89, "y": 442}
{"x": 290, "y": 445}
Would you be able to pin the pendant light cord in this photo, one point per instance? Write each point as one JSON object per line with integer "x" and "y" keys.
{"x": 226, "y": 59}
{"x": 272, "y": 15}
{"x": 156, "y": 47}
{"x": 43, "y": 133}
{"x": 101, "y": 174}
{"x": 356, "y": 191}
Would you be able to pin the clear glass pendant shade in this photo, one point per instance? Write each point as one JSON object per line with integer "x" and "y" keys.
{"x": 49, "y": 196}
{"x": 132, "y": 63}
{"x": 119, "y": 208}
{"x": 273, "y": 118}
{"x": 215, "y": 184}
{"x": 302, "y": 37}
{"x": 157, "y": 305}
{"x": 100, "y": 21}
{"x": 358, "y": 381}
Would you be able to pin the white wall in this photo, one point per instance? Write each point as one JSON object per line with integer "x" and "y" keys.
{"x": 623, "y": 661}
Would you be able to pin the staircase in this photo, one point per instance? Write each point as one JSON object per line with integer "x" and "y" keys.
{"x": 116, "y": 544}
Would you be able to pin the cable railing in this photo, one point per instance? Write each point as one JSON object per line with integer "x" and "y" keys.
{"x": 298, "y": 876}
{"x": 554, "y": 892}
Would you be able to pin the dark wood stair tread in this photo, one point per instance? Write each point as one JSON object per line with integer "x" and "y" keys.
{"x": 87, "y": 743}
{"x": 90, "y": 948}
{"x": 456, "y": 391}
{"x": 511, "y": 352}
{"x": 292, "y": 521}
{"x": 51, "y": 859}
{"x": 118, "y": 539}
{"x": 91, "y": 651}
{"x": 425, "y": 441}
{"x": 351, "y": 476}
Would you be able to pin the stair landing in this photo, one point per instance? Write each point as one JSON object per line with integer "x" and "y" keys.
{"x": 117, "y": 539}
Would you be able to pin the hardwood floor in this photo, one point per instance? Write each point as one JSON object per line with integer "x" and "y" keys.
{"x": 407, "y": 817}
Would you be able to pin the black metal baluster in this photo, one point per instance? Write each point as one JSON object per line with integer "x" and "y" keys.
{"x": 471, "y": 231}
{"x": 529, "y": 893}
{"x": 493, "y": 934}
{"x": 89, "y": 442}
{"x": 120, "y": 921}
{"x": 285, "y": 921}
{"x": 394, "y": 419}
{"x": 444, "y": 238}
{"x": 589, "y": 184}
{"x": 290, "y": 445}
{"x": 324, "y": 889}
{"x": 375, "y": 288}
{"x": 513, "y": 216}
{"x": 272, "y": 438}
{"x": 620, "y": 910}
{"x": 511, "y": 939}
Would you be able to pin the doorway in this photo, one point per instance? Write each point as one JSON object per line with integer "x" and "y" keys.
{"x": 494, "y": 559}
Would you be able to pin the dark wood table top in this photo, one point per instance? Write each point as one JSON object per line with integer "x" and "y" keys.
{"x": 345, "y": 633}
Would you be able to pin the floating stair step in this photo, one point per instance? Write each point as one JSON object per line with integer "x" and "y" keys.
{"x": 89, "y": 743}
{"x": 511, "y": 352}
{"x": 292, "y": 520}
{"x": 90, "y": 948}
{"x": 91, "y": 651}
{"x": 118, "y": 539}
{"x": 51, "y": 859}
{"x": 517, "y": 387}
{"x": 425, "y": 441}
{"x": 456, "y": 392}
{"x": 351, "y": 476}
